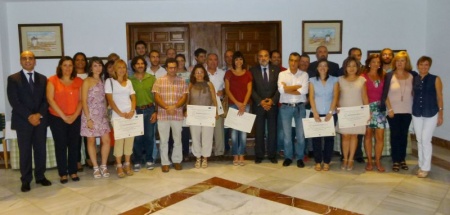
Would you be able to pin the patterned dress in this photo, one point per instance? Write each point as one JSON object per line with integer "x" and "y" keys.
{"x": 97, "y": 109}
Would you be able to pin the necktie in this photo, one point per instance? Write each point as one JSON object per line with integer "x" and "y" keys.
{"x": 266, "y": 79}
{"x": 30, "y": 80}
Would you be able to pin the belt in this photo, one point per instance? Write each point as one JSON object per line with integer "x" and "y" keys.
{"x": 292, "y": 104}
{"x": 144, "y": 106}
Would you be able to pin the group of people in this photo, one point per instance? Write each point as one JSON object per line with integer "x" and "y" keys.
{"x": 83, "y": 99}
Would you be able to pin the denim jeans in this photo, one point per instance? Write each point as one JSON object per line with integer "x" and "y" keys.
{"x": 238, "y": 138}
{"x": 290, "y": 147}
{"x": 145, "y": 143}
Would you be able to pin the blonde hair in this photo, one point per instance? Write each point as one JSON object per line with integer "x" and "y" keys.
{"x": 117, "y": 63}
{"x": 401, "y": 54}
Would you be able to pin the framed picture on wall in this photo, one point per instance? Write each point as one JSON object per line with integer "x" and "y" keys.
{"x": 44, "y": 40}
{"x": 369, "y": 52}
{"x": 317, "y": 33}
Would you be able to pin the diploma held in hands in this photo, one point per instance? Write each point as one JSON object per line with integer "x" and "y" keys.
{"x": 242, "y": 123}
{"x": 318, "y": 129}
{"x": 350, "y": 117}
{"x": 124, "y": 128}
{"x": 201, "y": 115}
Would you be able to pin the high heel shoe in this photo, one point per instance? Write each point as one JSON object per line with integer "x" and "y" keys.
{"x": 350, "y": 165}
{"x": 344, "y": 164}
{"x": 197, "y": 163}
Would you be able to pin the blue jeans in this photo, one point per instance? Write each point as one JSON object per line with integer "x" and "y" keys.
{"x": 238, "y": 138}
{"x": 145, "y": 143}
{"x": 287, "y": 114}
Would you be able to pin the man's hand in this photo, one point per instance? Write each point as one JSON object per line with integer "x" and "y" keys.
{"x": 34, "y": 119}
{"x": 154, "y": 117}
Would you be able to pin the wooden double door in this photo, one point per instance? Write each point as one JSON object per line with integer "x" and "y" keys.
{"x": 215, "y": 37}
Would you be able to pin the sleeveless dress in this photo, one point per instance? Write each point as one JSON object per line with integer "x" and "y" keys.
{"x": 200, "y": 94}
{"x": 97, "y": 109}
{"x": 350, "y": 95}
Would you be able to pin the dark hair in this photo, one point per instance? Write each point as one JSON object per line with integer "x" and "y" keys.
{"x": 423, "y": 59}
{"x": 294, "y": 54}
{"x": 59, "y": 70}
{"x": 272, "y": 52}
{"x": 317, "y": 70}
{"x": 105, "y": 69}
{"x": 193, "y": 80}
{"x": 85, "y": 59}
{"x": 353, "y": 49}
{"x": 184, "y": 58}
{"x": 305, "y": 55}
{"x": 135, "y": 60}
{"x": 93, "y": 60}
{"x": 171, "y": 60}
{"x": 380, "y": 71}
{"x": 140, "y": 42}
{"x": 237, "y": 55}
{"x": 347, "y": 62}
{"x": 153, "y": 51}
{"x": 199, "y": 51}
{"x": 113, "y": 55}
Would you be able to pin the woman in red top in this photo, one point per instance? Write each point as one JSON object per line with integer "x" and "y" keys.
{"x": 63, "y": 95}
{"x": 374, "y": 76}
{"x": 238, "y": 86}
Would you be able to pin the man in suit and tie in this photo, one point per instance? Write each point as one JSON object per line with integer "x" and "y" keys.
{"x": 26, "y": 94}
{"x": 265, "y": 97}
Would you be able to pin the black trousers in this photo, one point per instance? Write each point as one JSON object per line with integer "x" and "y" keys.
{"x": 67, "y": 141}
{"x": 271, "y": 118}
{"x": 32, "y": 143}
{"x": 399, "y": 125}
{"x": 326, "y": 153}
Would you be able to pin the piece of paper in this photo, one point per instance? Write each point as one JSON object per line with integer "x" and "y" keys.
{"x": 350, "y": 117}
{"x": 312, "y": 128}
{"x": 242, "y": 123}
{"x": 201, "y": 115}
{"x": 124, "y": 128}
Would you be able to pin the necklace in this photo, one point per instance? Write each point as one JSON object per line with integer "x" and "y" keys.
{"x": 402, "y": 89}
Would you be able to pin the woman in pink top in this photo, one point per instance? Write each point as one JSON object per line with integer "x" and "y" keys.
{"x": 374, "y": 76}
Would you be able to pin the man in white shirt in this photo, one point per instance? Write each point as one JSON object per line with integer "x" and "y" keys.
{"x": 293, "y": 87}
{"x": 155, "y": 68}
{"x": 216, "y": 76}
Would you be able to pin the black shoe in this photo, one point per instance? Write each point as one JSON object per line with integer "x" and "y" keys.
{"x": 287, "y": 162}
{"x": 300, "y": 163}
{"x": 44, "y": 182}
{"x": 311, "y": 154}
{"x": 273, "y": 160}
{"x": 63, "y": 180}
{"x": 25, "y": 187}
{"x": 360, "y": 160}
{"x": 76, "y": 178}
{"x": 258, "y": 160}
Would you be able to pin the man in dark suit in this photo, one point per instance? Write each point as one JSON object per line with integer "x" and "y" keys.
{"x": 322, "y": 53}
{"x": 265, "y": 97}
{"x": 26, "y": 94}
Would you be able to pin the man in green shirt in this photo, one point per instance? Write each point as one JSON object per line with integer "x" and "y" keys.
{"x": 142, "y": 85}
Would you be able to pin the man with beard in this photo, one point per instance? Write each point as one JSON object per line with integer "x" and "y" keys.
{"x": 386, "y": 57}
{"x": 322, "y": 53}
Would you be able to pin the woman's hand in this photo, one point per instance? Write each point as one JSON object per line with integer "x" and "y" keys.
{"x": 316, "y": 117}
{"x": 328, "y": 117}
{"x": 391, "y": 113}
{"x": 241, "y": 111}
{"x": 90, "y": 124}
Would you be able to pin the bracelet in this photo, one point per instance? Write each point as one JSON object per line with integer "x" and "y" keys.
{"x": 330, "y": 112}
{"x": 441, "y": 108}
{"x": 390, "y": 110}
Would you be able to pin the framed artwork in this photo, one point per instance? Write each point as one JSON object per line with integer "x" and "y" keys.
{"x": 322, "y": 33}
{"x": 369, "y": 52}
{"x": 44, "y": 40}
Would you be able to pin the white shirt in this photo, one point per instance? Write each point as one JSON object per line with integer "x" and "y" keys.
{"x": 299, "y": 78}
{"x": 159, "y": 73}
{"x": 121, "y": 95}
{"x": 217, "y": 79}
{"x": 82, "y": 76}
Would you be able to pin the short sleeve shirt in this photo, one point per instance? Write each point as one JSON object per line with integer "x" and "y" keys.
{"x": 170, "y": 91}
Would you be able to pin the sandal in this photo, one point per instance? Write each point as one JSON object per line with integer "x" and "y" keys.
{"x": 104, "y": 171}
{"x": 326, "y": 167}
{"x": 369, "y": 166}
{"x": 197, "y": 163}
{"x": 344, "y": 164}
{"x": 120, "y": 172}
{"x": 396, "y": 167}
{"x": 97, "y": 173}
{"x": 350, "y": 165}
{"x": 127, "y": 170}
{"x": 380, "y": 168}
{"x": 204, "y": 163}
{"x": 318, "y": 167}
{"x": 422, "y": 174}
{"x": 403, "y": 165}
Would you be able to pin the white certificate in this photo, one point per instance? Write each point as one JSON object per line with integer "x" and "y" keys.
{"x": 350, "y": 117}
{"x": 219, "y": 106}
{"x": 312, "y": 128}
{"x": 201, "y": 115}
{"x": 124, "y": 128}
{"x": 242, "y": 123}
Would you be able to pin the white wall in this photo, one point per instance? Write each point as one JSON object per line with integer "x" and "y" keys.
{"x": 99, "y": 27}
{"x": 4, "y": 60}
{"x": 438, "y": 48}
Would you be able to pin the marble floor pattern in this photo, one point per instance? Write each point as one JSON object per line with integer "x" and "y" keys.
{"x": 226, "y": 189}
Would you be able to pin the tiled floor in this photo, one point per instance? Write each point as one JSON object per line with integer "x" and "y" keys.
{"x": 356, "y": 191}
